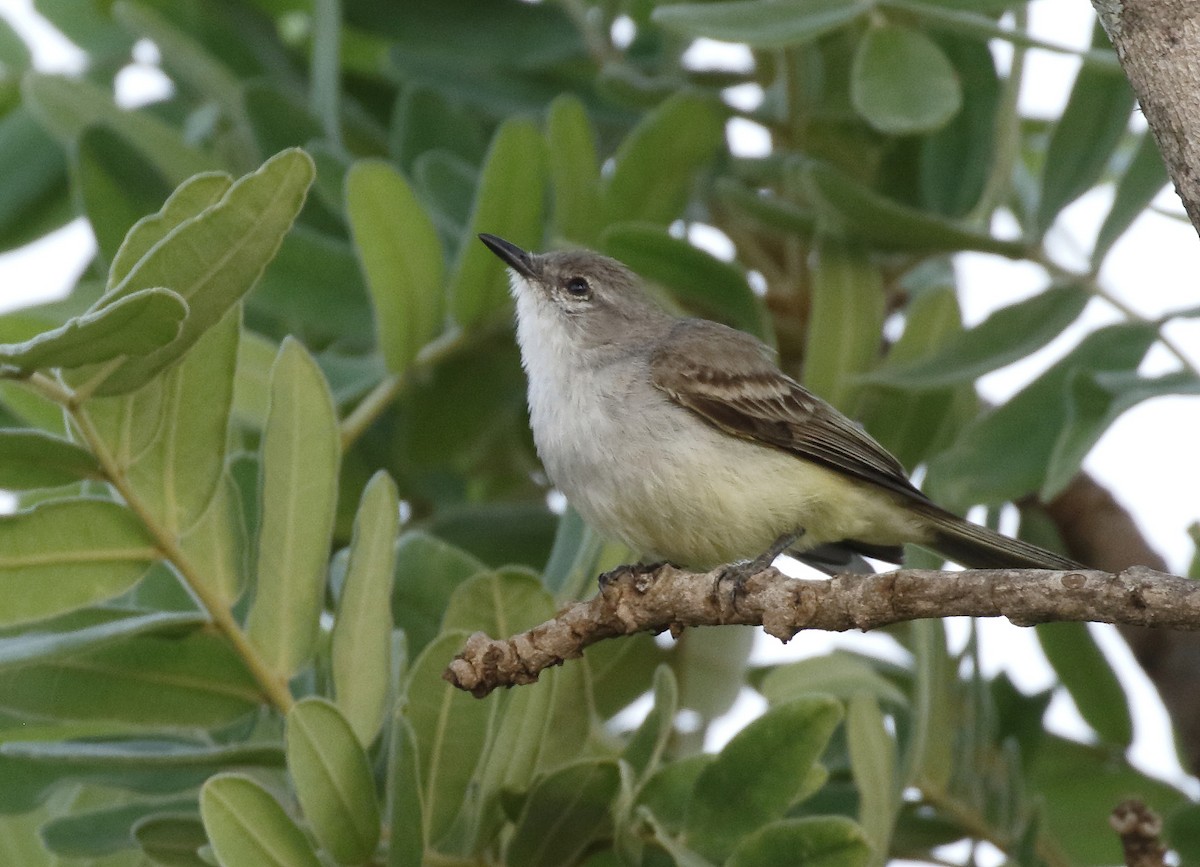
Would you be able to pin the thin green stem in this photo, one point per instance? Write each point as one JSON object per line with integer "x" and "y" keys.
{"x": 274, "y": 687}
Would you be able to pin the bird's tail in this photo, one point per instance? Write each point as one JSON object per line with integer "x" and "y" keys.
{"x": 978, "y": 547}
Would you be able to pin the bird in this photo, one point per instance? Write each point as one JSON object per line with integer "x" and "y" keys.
{"x": 681, "y": 437}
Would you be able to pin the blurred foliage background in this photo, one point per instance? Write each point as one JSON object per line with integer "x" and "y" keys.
{"x": 289, "y": 347}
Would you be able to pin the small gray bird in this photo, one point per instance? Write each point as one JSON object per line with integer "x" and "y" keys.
{"x": 682, "y": 439}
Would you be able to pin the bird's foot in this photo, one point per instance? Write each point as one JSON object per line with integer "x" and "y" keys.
{"x": 741, "y": 572}
{"x": 632, "y": 569}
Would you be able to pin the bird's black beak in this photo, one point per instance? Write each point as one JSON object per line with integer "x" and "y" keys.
{"x": 512, "y": 255}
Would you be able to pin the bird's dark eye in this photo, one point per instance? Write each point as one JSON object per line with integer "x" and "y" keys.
{"x": 578, "y": 286}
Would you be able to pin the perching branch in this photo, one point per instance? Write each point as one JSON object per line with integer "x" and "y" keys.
{"x": 670, "y": 598}
{"x": 1139, "y": 828}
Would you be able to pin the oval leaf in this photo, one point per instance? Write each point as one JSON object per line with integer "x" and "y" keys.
{"x": 902, "y": 83}
{"x": 215, "y": 258}
{"x": 33, "y": 459}
{"x": 574, "y": 169}
{"x": 406, "y": 845}
{"x": 757, "y": 775}
{"x": 300, "y": 457}
{"x": 825, "y": 841}
{"x": 248, "y": 828}
{"x": 66, "y": 554}
{"x": 508, "y": 203}
{"x": 134, "y": 325}
{"x": 566, "y": 811}
{"x": 844, "y": 323}
{"x": 658, "y": 161}
{"x": 1008, "y": 335}
{"x": 760, "y": 23}
{"x": 362, "y": 632}
{"x": 1087, "y": 133}
{"x": 848, "y": 207}
{"x": 333, "y": 780}
{"x": 451, "y": 728}
{"x": 1086, "y": 674}
{"x": 401, "y": 258}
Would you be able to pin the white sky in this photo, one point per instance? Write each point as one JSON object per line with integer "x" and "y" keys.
{"x": 1148, "y": 459}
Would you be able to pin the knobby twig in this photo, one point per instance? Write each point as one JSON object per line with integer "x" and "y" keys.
{"x": 669, "y": 598}
{"x": 1139, "y": 828}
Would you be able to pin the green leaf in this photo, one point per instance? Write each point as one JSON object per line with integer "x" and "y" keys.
{"x": 1086, "y": 674}
{"x": 508, "y": 203}
{"x": 65, "y": 554}
{"x": 1138, "y": 186}
{"x": 758, "y": 773}
{"x": 657, "y": 163}
{"x": 1078, "y": 785}
{"x": 424, "y": 120}
{"x": 196, "y": 194}
{"x": 929, "y": 759}
{"x": 135, "y": 325}
{"x": 451, "y": 728}
{"x": 68, "y": 105}
{"x": 34, "y": 173}
{"x": 1094, "y": 400}
{"x": 543, "y": 726}
{"x": 565, "y": 812}
{"x": 1006, "y": 336}
{"x": 644, "y": 750}
{"x": 902, "y": 83}
{"x": 194, "y": 680}
{"x": 117, "y": 183}
{"x": 333, "y": 780}
{"x": 873, "y": 762}
{"x": 214, "y": 259}
{"x": 760, "y": 23}
{"x": 844, "y": 322}
{"x": 218, "y": 543}
{"x": 500, "y": 603}
{"x": 92, "y": 833}
{"x": 171, "y": 839}
{"x": 574, "y": 169}
{"x": 697, "y": 279}
{"x": 248, "y": 828}
{"x": 427, "y": 571}
{"x": 840, "y": 674}
{"x": 401, "y": 259}
{"x": 362, "y": 632}
{"x": 849, "y": 208}
{"x": 956, "y": 160}
{"x": 911, "y": 425}
{"x": 300, "y": 457}
{"x": 1083, "y": 140}
{"x": 169, "y": 437}
{"x": 31, "y": 769}
{"x": 33, "y": 459}
{"x": 819, "y": 841}
{"x": 85, "y": 630}
{"x": 314, "y": 290}
{"x": 406, "y": 844}
{"x": 252, "y": 382}
{"x": 1026, "y": 429}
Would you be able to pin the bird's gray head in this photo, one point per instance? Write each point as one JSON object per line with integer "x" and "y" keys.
{"x": 591, "y": 295}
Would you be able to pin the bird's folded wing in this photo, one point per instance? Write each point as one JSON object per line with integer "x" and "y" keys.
{"x": 728, "y": 379}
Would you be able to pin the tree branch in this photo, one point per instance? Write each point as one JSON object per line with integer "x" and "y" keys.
{"x": 670, "y": 598}
{"x": 1158, "y": 43}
